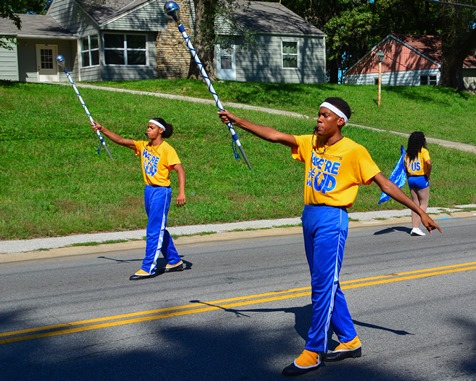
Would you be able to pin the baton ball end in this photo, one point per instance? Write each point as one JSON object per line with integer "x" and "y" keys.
{"x": 60, "y": 58}
{"x": 171, "y": 8}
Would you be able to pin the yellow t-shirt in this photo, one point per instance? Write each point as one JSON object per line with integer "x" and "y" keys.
{"x": 156, "y": 162}
{"x": 332, "y": 175}
{"x": 417, "y": 167}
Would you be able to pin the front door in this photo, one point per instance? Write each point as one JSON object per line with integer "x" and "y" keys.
{"x": 47, "y": 67}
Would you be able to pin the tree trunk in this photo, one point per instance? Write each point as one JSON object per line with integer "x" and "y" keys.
{"x": 458, "y": 42}
{"x": 333, "y": 71}
{"x": 204, "y": 38}
{"x": 451, "y": 68}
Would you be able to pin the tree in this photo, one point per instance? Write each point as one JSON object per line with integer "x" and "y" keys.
{"x": 459, "y": 40}
{"x": 331, "y": 16}
{"x": 353, "y": 27}
{"x": 205, "y": 38}
{"x": 11, "y": 8}
{"x": 349, "y": 38}
{"x": 452, "y": 20}
{"x": 204, "y": 35}
{"x": 360, "y": 25}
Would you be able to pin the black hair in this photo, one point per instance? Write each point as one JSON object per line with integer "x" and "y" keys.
{"x": 169, "y": 129}
{"x": 341, "y": 104}
{"x": 416, "y": 142}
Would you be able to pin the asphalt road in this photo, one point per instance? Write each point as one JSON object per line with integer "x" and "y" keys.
{"x": 241, "y": 310}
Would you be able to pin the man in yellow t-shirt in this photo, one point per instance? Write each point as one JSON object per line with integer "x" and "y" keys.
{"x": 334, "y": 168}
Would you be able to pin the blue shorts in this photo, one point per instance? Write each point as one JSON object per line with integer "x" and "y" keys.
{"x": 418, "y": 182}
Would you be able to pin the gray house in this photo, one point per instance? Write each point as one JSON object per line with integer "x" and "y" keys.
{"x": 100, "y": 40}
{"x": 111, "y": 40}
{"x": 33, "y": 57}
{"x": 286, "y": 48}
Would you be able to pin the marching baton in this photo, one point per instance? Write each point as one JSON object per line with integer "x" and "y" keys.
{"x": 102, "y": 142}
{"x": 171, "y": 9}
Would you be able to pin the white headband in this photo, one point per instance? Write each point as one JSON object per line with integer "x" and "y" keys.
{"x": 157, "y": 123}
{"x": 335, "y": 110}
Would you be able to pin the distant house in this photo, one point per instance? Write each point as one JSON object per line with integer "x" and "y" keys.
{"x": 33, "y": 57}
{"x": 113, "y": 40}
{"x": 106, "y": 40}
{"x": 408, "y": 61}
{"x": 286, "y": 48}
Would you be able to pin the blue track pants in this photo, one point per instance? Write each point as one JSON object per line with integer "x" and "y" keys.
{"x": 158, "y": 239}
{"x": 325, "y": 231}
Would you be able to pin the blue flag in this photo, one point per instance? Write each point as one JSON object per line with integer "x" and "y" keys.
{"x": 398, "y": 175}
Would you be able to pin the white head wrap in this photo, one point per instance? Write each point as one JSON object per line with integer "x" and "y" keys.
{"x": 334, "y": 109}
{"x": 157, "y": 123}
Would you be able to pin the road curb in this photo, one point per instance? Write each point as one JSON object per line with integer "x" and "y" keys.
{"x": 100, "y": 243}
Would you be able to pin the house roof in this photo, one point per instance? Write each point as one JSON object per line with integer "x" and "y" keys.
{"x": 406, "y": 52}
{"x": 34, "y": 26}
{"x": 102, "y": 11}
{"x": 428, "y": 45}
{"x": 470, "y": 62}
{"x": 258, "y": 16}
{"x": 268, "y": 17}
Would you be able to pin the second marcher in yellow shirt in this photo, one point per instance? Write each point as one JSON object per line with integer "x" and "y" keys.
{"x": 156, "y": 162}
{"x": 418, "y": 166}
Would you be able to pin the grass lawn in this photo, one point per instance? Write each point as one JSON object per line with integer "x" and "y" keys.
{"x": 52, "y": 181}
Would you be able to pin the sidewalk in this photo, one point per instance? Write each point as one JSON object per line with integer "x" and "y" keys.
{"x": 204, "y": 231}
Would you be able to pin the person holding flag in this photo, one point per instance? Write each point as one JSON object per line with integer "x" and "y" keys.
{"x": 418, "y": 167}
{"x": 398, "y": 175}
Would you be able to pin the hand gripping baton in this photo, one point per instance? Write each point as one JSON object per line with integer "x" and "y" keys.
{"x": 60, "y": 60}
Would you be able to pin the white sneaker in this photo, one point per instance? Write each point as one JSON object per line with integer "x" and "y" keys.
{"x": 417, "y": 231}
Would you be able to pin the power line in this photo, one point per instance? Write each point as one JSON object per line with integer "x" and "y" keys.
{"x": 453, "y": 4}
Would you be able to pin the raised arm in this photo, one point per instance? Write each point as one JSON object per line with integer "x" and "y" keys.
{"x": 118, "y": 139}
{"x": 397, "y": 194}
{"x": 263, "y": 132}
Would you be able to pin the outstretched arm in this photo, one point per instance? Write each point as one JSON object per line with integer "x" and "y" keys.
{"x": 397, "y": 194}
{"x": 263, "y": 132}
{"x": 118, "y": 139}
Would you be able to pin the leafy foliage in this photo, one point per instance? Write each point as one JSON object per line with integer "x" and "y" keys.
{"x": 353, "y": 27}
{"x": 11, "y": 8}
{"x": 459, "y": 40}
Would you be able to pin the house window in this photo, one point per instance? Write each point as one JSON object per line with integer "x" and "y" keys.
{"x": 428, "y": 80}
{"x": 46, "y": 58}
{"x": 290, "y": 54}
{"x": 125, "y": 49}
{"x": 226, "y": 59}
{"x": 90, "y": 51}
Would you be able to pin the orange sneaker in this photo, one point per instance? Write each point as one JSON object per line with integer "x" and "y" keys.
{"x": 346, "y": 350}
{"x": 306, "y": 362}
{"x": 172, "y": 268}
{"x": 141, "y": 274}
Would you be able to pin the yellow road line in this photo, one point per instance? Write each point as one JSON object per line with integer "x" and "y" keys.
{"x": 201, "y": 307}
